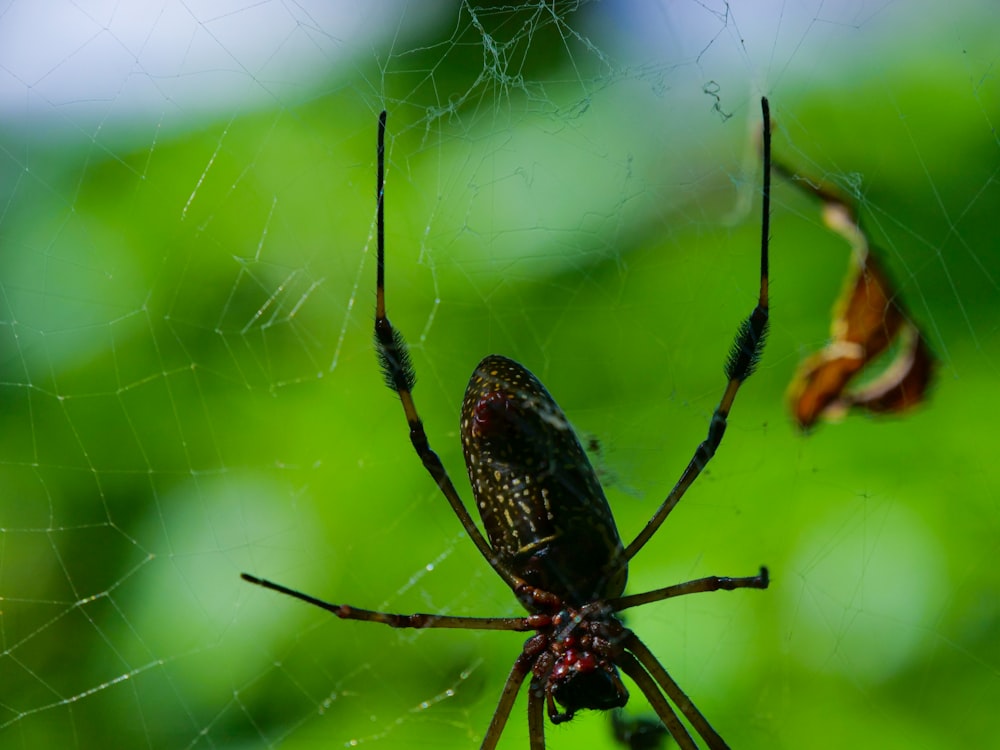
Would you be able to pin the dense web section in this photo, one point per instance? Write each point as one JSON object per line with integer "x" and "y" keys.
{"x": 189, "y": 389}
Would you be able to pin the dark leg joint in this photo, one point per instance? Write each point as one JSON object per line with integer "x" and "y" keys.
{"x": 716, "y": 429}
{"x": 764, "y": 577}
{"x": 760, "y": 581}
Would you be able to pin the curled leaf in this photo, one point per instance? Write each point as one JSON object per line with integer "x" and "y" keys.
{"x": 877, "y": 359}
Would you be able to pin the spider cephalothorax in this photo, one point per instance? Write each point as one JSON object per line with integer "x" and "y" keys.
{"x": 550, "y": 533}
{"x": 580, "y": 671}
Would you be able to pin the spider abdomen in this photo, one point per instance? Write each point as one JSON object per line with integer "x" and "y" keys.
{"x": 542, "y": 505}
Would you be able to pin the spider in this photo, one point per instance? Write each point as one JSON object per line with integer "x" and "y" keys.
{"x": 551, "y": 535}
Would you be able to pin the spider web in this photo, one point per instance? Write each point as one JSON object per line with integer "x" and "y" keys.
{"x": 189, "y": 388}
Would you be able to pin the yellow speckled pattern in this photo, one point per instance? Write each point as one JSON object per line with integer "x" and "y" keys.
{"x": 540, "y": 500}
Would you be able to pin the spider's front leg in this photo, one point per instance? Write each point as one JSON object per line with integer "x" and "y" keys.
{"x": 397, "y": 369}
{"x": 744, "y": 355}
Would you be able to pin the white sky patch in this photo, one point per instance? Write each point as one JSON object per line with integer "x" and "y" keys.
{"x": 88, "y": 64}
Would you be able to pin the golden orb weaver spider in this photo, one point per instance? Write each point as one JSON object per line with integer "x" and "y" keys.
{"x": 552, "y": 537}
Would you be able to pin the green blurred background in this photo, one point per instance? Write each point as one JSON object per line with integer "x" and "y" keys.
{"x": 189, "y": 388}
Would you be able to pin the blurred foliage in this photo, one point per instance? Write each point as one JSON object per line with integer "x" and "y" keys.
{"x": 190, "y": 392}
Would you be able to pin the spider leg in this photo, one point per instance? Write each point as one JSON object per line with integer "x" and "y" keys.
{"x": 697, "y": 586}
{"x": 418, "y": 620}
{"x": 400, "y": 377}
{"x": 536, "y": 714}
{"x": 630, "y": 666}
{"x": 743, "y": 357}
{"x": 518, "y": 672}
{"x": 674, "y": 692}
